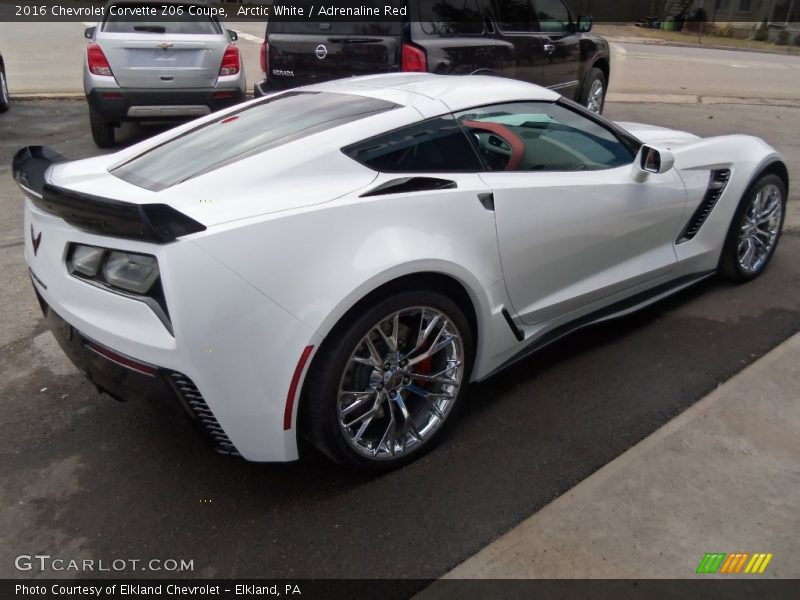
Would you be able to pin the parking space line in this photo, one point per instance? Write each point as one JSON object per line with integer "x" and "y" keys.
{"x": 248, "y": 37}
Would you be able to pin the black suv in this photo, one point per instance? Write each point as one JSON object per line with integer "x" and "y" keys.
{"x": 540, "y": 41}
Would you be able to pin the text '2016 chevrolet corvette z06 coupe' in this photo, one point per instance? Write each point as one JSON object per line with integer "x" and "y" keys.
{"x": 339, "y": 261}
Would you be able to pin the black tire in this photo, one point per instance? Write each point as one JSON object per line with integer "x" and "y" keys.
{"x": 5, "y": 100}
{"x": 319, "y": 415}
{"x": 594, "y": 77}
{"x": 730, "y": 266}
{"x": 102, "y": 130}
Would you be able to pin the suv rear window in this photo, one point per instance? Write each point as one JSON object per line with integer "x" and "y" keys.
{"x": 386, "y": 29}
{"x": 267, "y": 124}
{"x": 451, "y": 17}
{"x": 313, "y": 26}
{"x": 191, "y": 24}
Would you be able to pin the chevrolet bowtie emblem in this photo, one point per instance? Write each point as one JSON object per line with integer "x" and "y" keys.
{"x": 35, "y": 240}
{"x": 165, "y": 45}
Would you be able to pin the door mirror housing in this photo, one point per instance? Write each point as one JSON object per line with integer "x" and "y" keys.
{"x": 233, "y": 35}
{"x": 652, "y": 160}
{"x": 89, "y": 33}
{"x": 584, "y": 24}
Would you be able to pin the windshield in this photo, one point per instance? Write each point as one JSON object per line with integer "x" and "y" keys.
{"x": 274, "y": 121}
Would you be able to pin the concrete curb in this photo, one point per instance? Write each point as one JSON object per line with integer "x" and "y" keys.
{"x": 719, "y": 477}
{"x": 659, "y": 42}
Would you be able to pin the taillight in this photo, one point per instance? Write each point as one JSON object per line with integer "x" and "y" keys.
{"x": 230, "y": 62}
{"x": 265, "y": 55}
{"x": 414, "y": 59}
{"x": 98, "y": 63}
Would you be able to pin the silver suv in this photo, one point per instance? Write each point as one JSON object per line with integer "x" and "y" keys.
{"x": 148, "y": 68}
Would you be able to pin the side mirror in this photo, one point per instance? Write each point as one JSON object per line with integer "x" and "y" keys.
{"x": 652, "y": 160}
{"x": 585, "y": 24}
{"x": 89, "y": 33}
{"x": 233, "y": 35}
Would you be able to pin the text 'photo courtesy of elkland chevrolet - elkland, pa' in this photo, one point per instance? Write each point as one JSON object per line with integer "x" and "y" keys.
{"x": 292, "y": 287}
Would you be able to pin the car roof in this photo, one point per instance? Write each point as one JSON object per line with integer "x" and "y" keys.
{"x": 457, "y": 92}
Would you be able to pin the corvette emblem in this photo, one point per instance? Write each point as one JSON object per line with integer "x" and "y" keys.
{"x": 35, "y": 240}
{"x": 321, "y": 51}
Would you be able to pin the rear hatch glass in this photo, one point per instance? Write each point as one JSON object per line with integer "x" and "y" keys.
{"x": 274, "y": 121}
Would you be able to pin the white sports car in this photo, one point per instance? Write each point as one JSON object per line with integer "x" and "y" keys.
{"x": 340, "y": 260}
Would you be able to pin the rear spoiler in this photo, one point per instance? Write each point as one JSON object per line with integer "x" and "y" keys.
{"x": 159, "y": 223}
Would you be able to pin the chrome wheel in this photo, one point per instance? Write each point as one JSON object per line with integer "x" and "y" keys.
{"x": 594, "y": 101}
{"x": 400, "y": 383}
{"x": 761, "y": 226}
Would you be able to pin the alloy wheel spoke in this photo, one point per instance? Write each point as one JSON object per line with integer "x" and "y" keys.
{"x": 374, "y": 355}
{"x": 361, "y": 398}
{"x": 747, "y": 259}
{"x": 768, "y": 213}
{"x": 426, "y": 333}
{"x": 388, "y": 435}
{"x": 392, "y": 341}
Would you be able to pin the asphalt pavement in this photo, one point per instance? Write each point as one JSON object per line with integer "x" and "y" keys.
{"x": 85, "y": 476}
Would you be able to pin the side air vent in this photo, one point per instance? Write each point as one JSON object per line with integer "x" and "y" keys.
{"x": 718, "y": 181}
{"x": 197, "y": 406}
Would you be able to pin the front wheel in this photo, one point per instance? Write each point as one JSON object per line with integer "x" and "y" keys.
{"x": 594, "y": 91}
{"x": 387, "y": 380}
{"x": 755, "y": 230}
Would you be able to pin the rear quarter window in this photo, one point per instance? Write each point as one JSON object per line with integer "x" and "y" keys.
{"x": 275, "y": 121}
{"x": 434, "y": 146}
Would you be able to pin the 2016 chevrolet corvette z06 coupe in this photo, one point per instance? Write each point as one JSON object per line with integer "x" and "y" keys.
{"x": 340, "y": 260}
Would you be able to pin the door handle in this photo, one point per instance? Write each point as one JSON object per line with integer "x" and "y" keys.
{"x": 487, "y": 200}
{"x": 549, "y": 48}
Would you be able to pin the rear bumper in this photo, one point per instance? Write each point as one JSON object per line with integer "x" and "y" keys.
{"x": 123, "y": 104}
{"x": 126, "y": 379}
{"x": 231, "y": 350}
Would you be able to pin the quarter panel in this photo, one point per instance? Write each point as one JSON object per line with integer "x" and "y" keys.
{"x": 318, "y": 262}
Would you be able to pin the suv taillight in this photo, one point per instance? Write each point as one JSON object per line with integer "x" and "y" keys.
{"x": 98, "y": 63}
{"x": 414, "y": 59}
{"x": 265, "y": 55}
{"x": 230, "y": 62}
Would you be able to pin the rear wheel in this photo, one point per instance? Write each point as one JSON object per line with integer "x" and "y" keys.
{"x": 102, "y": 130}
{"x": 755, "y": 230}
{"x": 4, "y": 97}
{"x": 594, "y": 91}
{"x": 385, "y": 382}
